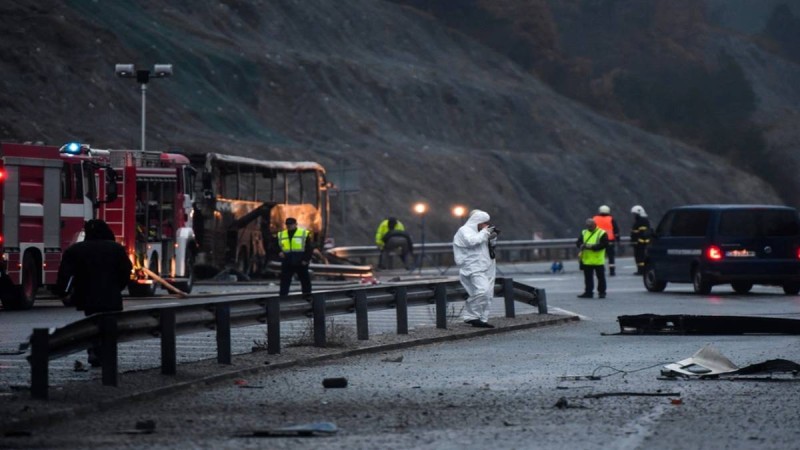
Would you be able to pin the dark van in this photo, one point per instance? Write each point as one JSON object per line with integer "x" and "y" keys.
{"x": 743, "y": 245}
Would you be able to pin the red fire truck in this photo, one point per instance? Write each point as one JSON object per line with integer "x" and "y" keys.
{"x": 47, "y": 193}
{"x": 152, "y": 217}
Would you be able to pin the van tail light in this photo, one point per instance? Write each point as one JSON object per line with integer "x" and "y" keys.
{"x": 714, "y": 253}
{"x": 2, "y": 175}
{"x": 798, "y": 253}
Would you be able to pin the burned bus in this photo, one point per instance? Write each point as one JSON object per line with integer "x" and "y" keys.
{"x": 243, "y": 203}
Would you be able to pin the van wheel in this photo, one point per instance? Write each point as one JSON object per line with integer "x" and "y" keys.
{"x": 651, "y": 282}
{"x": 700, "y": 283}
{"x": 741, "y": 287}
{"x": 791, "y": 288}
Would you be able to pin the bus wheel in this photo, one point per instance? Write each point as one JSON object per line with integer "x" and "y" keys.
{"x": 243, "y": 262}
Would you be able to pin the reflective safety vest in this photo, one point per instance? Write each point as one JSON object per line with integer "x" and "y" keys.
{"x": 593, "y": 257}
{"x": 606, "y": 224}
{"x": 383, "y": 228}
{"x": 296, "y": 244}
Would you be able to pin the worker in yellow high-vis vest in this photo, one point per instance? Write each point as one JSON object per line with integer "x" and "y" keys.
{"x": 295, "y": 253}
{"x": 592, "y": 244}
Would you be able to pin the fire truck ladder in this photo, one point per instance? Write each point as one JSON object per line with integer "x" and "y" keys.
{"x": 117, "y": 212}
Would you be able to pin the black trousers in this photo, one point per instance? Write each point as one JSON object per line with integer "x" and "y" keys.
{"x": 638, "y": 255}
{"x": 288, "y": 271}
{"x": 589, "y": 273}
{"x": 611, "y": 253}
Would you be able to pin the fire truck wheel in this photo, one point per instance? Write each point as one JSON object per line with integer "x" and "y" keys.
{"x": 186, "y": 286}
{"x": 9, "y": 294}
{"x": 145, "y": 290}
{"x": 26, "y": 295}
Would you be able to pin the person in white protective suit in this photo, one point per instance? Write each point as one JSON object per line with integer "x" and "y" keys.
{"x": 477, "y": 266}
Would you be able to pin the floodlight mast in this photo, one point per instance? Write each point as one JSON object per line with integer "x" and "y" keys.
{"x": 143, "y": 77}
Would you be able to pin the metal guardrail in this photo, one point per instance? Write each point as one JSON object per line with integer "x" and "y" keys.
{"x": 442, "y": 252}
{"x": 166, "y": 322}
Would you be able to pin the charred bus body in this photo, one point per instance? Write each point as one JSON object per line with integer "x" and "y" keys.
{"x": 243, "y": 203}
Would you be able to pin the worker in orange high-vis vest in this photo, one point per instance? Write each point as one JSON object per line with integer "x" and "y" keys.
{"x": 606, "y": 222}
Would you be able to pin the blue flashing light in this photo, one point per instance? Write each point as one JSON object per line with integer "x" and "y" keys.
{"x": 74, "y": 148}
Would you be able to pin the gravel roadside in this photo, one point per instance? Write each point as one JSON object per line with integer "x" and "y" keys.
{"x": 78, "y": 398}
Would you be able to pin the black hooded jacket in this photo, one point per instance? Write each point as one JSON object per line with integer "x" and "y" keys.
{"x": 99, "y": 269}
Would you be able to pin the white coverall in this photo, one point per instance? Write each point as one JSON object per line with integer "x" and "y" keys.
{"x": 477, "y": 268}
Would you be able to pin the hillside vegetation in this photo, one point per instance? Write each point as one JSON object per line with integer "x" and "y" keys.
{"x": 423, "y": 109}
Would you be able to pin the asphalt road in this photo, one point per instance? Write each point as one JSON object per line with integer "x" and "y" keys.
{"x": 497, "y": 391}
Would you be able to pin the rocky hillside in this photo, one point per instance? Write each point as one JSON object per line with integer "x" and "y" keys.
{"x": 424, "y": 111}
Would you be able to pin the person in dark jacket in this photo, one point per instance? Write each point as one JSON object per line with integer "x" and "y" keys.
{"x": 640, "y": 237}
{"x": 296, "y": 250}
{"x": 93, "y": 274}
{"x": 398, "y": 242}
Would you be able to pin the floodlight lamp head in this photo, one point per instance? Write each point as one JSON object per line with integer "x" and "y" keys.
{"x": 162, "y": 70}
{"x": 125, "y": 70}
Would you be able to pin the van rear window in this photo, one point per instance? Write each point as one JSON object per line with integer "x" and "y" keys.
{"x": 689, "y": 223}
{"x": 757, "y": 223}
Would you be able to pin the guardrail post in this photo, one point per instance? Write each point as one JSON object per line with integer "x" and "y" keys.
{"x": 108, "y": 350}
{"x": 222, "y": 314}
{"x": 508, "y": 295}
{"x": 362, "y": 324}
{"x": 440, "y": 294}
{"x": 541, "y": 301}
{"x": 40, "y": 363}
{"x": 273, "y": 325}
{"x": 401, "y": 307}
{"x": 318, "y": 307}
{"x": 169, "y": 360}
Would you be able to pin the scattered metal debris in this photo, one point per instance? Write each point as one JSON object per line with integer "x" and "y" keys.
{"x": 332, "y": 383}
{"x": 141, "y": 427}
{"x": 563, "y": 403}
{"x": 633, "y": 394}
{"x": 17, "y": 433}
{"x": 302, "y": 430}
{"x": 579, "y": 377}
{"x": 709, "y": 363}
{"x": 398, "y": 359}
{"x": 689, "y": 324}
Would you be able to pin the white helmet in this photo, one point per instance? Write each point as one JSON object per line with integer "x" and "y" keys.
{"x": 604, "y": 209}
{"x": 639, "y": 211}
